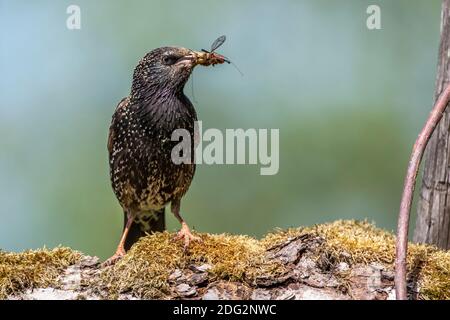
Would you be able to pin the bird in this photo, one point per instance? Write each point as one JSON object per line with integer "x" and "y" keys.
{"x": 143, "y": 176}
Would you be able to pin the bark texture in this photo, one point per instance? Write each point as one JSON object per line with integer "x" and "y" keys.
{"x": 433, "y": 219}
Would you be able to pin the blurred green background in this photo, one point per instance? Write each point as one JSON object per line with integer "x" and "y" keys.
{"x": 348, "y": 101}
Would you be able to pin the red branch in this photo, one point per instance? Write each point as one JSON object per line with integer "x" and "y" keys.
{"x": 408, "y": 191}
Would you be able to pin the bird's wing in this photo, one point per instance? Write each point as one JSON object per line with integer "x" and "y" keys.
{"x": 115, "y": 119}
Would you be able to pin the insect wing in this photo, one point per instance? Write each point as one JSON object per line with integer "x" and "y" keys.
{"x": 218, "y": 42}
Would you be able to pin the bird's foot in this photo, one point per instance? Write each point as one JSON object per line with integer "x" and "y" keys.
{"x": 186, "y": 235}
{"x": 120, "y": 253}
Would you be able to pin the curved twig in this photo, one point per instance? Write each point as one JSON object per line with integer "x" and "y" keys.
{"x": 408, "y": 191}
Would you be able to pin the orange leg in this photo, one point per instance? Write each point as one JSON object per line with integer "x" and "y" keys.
{"x": 120, "y": 251}
{"x": 184, "y": 233}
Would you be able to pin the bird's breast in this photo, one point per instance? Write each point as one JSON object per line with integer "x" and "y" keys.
{"x": 142, "y": 171}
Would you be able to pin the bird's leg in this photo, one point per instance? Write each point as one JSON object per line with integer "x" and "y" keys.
{"x": 184, "y": 233}
{"x": 120, "y": 251}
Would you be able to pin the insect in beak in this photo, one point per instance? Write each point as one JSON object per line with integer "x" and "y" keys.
{"x": 208, "y": 58}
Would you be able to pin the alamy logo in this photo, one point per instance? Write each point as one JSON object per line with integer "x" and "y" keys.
{"x": 73, "y": 21}
{"x": 373, "y": 21}
{"x": 234, "y": 146}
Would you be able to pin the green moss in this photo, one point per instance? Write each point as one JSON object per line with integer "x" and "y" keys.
{"x": 33, "y": 268}
{"x": 146, "y": 268}
{"x": 435, "y": 276}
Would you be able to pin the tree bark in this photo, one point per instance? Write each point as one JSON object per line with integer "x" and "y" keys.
{"x": 433, "y": 219}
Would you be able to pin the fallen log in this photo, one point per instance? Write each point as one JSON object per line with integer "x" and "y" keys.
{"x": 340, "y": 260}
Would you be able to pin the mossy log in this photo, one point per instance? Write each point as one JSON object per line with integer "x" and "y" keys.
{"x": 340, "y": 260}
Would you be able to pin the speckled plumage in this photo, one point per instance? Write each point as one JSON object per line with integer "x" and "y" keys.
{"x": 143, "y": 176}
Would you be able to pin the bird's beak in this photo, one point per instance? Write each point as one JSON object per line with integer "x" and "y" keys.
{"x": 192, "y": 58}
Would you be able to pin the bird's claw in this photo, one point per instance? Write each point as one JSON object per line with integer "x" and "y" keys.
{"x": 120, "y": 253}
{"x": 186, "y": 235}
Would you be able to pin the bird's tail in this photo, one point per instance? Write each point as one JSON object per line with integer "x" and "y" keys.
{"x": 152, "y": 222}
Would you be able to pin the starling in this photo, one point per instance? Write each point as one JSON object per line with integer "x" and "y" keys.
{"x": 143, "y": 176}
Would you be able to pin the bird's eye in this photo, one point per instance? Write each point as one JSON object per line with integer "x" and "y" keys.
{"x": 169, "y": 60}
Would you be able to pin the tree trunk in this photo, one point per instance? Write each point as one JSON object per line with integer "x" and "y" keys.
{"x": 433, "y": 219}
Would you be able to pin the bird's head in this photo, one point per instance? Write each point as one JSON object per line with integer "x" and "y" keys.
{"x": 165, "y": 71}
